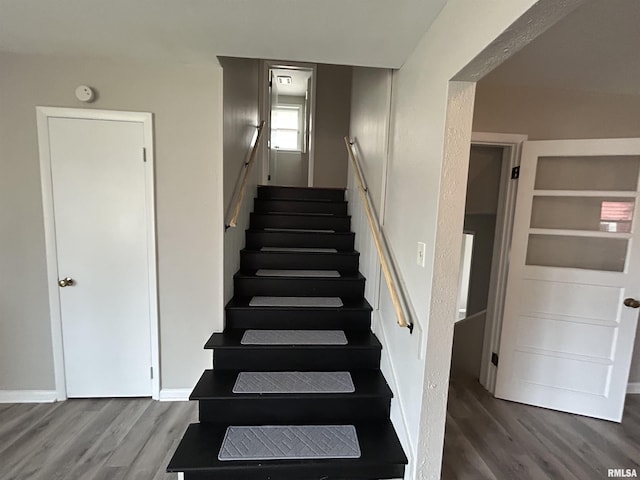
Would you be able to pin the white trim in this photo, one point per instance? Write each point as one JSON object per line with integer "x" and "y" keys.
{"x": 633, "y": 388}
{"x": 265, "y": 104}
{"x": 512, "y": 144}
{"x": 403, "y": 429}
{"x": 43, "y": 114}
{"x": 175, "y": 394}
{"x": 28, "y": 396}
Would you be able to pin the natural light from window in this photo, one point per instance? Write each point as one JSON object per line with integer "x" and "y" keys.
{"x": 285, "y": 128}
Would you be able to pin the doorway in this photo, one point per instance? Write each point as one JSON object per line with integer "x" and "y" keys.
{"x": 97, "y": 183}
{"x": 289, "y": 101}
{"x": 481, "y": 212}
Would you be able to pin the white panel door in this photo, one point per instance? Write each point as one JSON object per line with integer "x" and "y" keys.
{"x": 567, "y": 337}
{"x": 98, "y": 182}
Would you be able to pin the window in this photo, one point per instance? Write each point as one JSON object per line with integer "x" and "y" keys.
{"x": 286, "y": 127}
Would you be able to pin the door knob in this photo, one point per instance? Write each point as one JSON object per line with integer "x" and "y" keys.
{"x": 631, "y": 302}
{"x": 69, "y": 282}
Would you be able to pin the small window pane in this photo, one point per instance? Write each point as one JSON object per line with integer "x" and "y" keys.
{"x": 589, "y": 253}
{"x": 286, "y": 118}
{"x": 285, "y": 139}
{"x": 583, "y": 213}
{"x": 613, "y": 173}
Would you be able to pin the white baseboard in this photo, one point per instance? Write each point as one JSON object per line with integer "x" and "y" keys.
{"x": 28, "y": 396}
{"x": 633, "y": 387}
{"x": 174, "y": 394}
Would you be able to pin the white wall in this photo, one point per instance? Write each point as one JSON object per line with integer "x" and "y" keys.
{"x": 429, "y": 147}
{"x": 187, "y": 107}
{"x": 549, "y": 114}
{"x": 241, "y": 105}
{"x": 369, "y": 130}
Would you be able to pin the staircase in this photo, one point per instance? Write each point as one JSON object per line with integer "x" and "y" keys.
{"x": 299, "y": 244}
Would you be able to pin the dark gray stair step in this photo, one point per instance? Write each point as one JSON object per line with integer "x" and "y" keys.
{"x": 308, "y": 221}
{"x": 300, "y": 206}
{"x": 301, "y": 193}
{"x": 217, "y": 402}
{"x": 362, "y": 351}
{"x": 341, "y": 241}
{"x": 347, "y": 286}
{"x": 355, "y": 314}
{"x": 344, "y": 262}
{"x": 381, "y": 457}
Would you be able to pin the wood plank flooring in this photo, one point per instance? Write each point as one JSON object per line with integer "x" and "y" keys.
{"x": 96, "y": 439}
{"x": 492, "y": 439}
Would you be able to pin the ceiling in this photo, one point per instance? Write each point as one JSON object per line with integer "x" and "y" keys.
{"x": 379, "y": 33}
{"x": 299, "y": 78}
{"x": 595, "y": 48}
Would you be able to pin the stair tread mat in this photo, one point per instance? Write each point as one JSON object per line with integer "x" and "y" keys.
{"x": 325, "y": 302}
{"x": 300, "y": 230}
{"x": 289, "y": 442}
{"x": 320, "y": 214}
{"x": 294, "y": 337}
{"x": 263, "y": 272}
{"x": 299, "y": 249}
{"x": 294, "y": 382}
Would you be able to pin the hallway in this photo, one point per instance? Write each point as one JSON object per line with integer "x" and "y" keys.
{"x": 493, "y": 439}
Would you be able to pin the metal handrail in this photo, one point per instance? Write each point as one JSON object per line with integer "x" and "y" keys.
{"x": 401, "y": 309}
{"x": 235, "y": 211}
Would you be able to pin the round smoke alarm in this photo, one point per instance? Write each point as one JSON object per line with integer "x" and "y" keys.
{"x": 85, "y": 93}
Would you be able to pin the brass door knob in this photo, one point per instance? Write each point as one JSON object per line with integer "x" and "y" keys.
{"x": 69, "y": 282}
{"x": 631, "y": 302}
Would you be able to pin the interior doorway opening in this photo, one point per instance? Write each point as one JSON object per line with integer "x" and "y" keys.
{"x": 289, "y": 104}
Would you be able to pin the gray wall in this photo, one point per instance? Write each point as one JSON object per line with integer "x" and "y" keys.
{"x": 546, "y": 114}
{"x": 333, "y": 104}
{"x": 187, "y": 107}
{"x": 241, "y": 105}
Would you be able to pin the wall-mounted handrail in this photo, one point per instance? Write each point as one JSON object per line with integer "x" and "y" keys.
{"x": 238, "y": 195}
{"x": 402, "y": 312}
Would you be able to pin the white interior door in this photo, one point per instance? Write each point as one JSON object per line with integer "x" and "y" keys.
{"x": 98, "y": 183}
{"x": 567, "y": 337}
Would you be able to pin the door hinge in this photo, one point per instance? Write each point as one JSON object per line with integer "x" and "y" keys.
{"x": 515, "y": 173}
{"x": 144, "y": 154}
{"x": 151, "y": 371}
{"x": 269, "y": 177}
{"x": 270, "y": 83}
{"x": 494, "y": 358}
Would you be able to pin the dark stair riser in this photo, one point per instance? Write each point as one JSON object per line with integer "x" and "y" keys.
{"x": 298, "y": 358}
{"x": 298, "y": 471}
{"x": 344, "y": 287}
{"x": 263, "y": 410}
{"x": 283, "y": 319}
{"x": 346, "y": 263}
{"x": 306, "y": 206}
{"x": 306, "y": 222}
{"x": 292, "y": 193}
{"x": 344, "y": 241}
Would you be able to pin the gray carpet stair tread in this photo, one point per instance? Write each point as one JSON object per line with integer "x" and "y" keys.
{"x": 294, "y": 382}
{"x": 294, "y": 337}
{"x": 299, "y": 250}
{"x": 299, "y": 230}
{"x": 263, "y": 272}
{"x": 289, "y": 442}
{"x": 324, "y": 302}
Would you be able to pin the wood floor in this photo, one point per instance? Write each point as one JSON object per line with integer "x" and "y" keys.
{"x": 110, "y": 439}
{"x": 493, "y": 439}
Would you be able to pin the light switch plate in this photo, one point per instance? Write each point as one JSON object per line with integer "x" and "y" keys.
{"x": 422, "y": 251}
